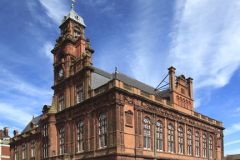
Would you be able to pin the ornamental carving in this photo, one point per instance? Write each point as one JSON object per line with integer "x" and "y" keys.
{"x": 173, "y": 116}
{"x": 128, "y": 100}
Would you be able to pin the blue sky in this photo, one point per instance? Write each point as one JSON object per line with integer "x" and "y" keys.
{"x": 142, "y": 37}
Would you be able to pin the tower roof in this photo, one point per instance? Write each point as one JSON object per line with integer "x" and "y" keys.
{"x": 74, "y": 16}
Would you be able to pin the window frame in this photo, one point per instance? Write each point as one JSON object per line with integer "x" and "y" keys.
{"x": 23, "y": 150}
{"x": 61, "y": 141}
{"x": 15, "y": 152}
{"x": 210, "y": 147}
{"x": 61, "y": 99}
{"x": 204, "y": 144}
{"x": 189, "y": 142}
{"x": 80, "y": 96}
{"x": 33, "y": 148}
{"x": 159, "y": 137}
{"x": 170, "y": 138}
{"x": 180, "y": 141}
{"x": 45, "y": 150}
{"x": 45, "y": 130}
{"x": 146, "y": 133}
{"x": 80, "y": 128}
{"x": 197, "y": 144}
{"x": 102, "y": 130}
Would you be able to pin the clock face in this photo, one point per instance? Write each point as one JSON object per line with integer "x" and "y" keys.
{"x": 60, "y": 74}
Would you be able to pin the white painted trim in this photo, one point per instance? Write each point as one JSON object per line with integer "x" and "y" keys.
{"x": 4, "y": 156}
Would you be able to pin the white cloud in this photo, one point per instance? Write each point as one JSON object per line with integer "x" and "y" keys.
{"x": 233, "y": 129}
{"x": 15, "y": 114}
{"x": 10, "y": 82}
{"x": 48, "y": 46}
{"x": 55, "y": 9}
{"x": 205, "y": 41}
{"x": 238, "y": 109}
{"x": 233, "y": 142}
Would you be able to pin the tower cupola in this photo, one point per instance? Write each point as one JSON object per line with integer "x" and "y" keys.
{"x": 73, "y": 16}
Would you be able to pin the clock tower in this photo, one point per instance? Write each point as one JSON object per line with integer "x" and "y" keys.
{"x": 72, "y": 63}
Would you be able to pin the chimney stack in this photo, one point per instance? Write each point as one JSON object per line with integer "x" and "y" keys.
{"x": 6, "y": 131}
{"x": 15, "y": 132}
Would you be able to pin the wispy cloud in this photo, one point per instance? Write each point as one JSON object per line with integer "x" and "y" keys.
{"x": 205, "y": 41}
{"x": 46, "y": 50}
{"x": 11, "y": 82}
{"x": 233, "y": 129}
{"x": 55, "y": 9}
{"x": 233, "y": 142}
{"x": 15, "y": 114}
{"x": 238, "y": 109}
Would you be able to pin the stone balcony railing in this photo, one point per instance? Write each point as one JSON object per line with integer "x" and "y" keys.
{"x": 157, "y": 99}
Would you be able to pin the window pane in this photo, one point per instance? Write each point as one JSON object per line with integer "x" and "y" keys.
{"x": 100, "y": 141}
{"x": 149, "y": 143}
{"x": 144, "y": 142}
{"x": 161, "y": 145}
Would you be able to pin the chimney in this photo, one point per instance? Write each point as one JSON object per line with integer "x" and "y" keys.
{"x": 15, "y": 132}
{"x": 171, "y": 78}
{"x": 190, "y": 87}
{"x": 6, "y": 131}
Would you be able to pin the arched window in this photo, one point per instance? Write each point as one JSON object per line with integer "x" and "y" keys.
{"x": 146, "y": 133}
{"x": 159, "y": 130}
{"x": 170, "y": 138}
{"x": 204, "y": 141}
{"x": 197, "y": 144}
{"x": 189, "y": 142}
{"x": 80, "y": 136}
{"x": 62, "y": 147}
{"x": 180, "y": 140}
{"x": 210, "y": 147}
{"x": 103, "y": 130}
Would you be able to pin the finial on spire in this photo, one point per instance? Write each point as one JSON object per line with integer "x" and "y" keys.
{"x": 72, "y": 4}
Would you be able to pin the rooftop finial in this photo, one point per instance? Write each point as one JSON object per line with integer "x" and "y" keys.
{"x": 72, "y": 4}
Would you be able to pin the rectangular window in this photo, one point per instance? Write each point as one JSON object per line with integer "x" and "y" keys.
{"x": 23, "y": 151}
{"x": 149, "y": 143}
{"x": 15, "y": 150}
{"x": 61, "y": 102}
{"x": 161, "y": 145}
{"x": 45, "y": 150}
{"x": 33, "y": 148}
{"x": 45, "y": 130}
{"x": 79, "y": 94}
{"x": 100, "y": 141}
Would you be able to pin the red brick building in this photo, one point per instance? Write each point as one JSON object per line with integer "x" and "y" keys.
{"x": 4, "y": 144}
{"x": 98, "y": 115}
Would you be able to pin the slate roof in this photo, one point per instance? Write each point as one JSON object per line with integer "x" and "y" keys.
{"x": 129, "y": 80}
{"x": 36, "y": 120}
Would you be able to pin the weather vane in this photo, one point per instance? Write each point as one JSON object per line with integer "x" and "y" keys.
{"x": 73, "y": 0}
